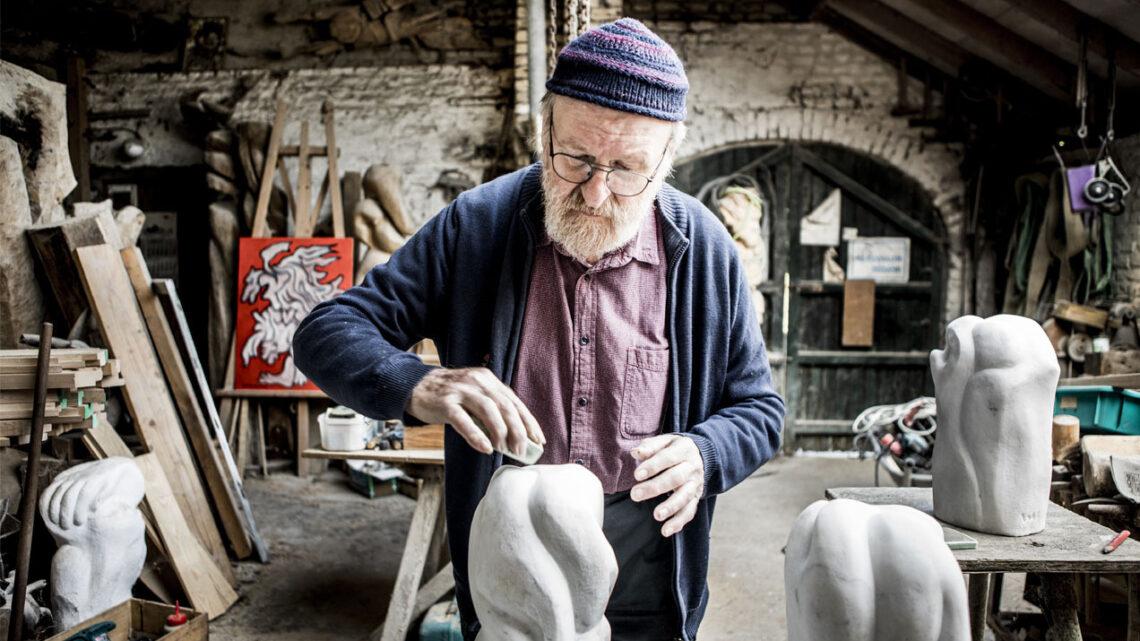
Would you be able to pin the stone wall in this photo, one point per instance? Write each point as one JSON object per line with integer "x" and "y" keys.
{"x": 427, "y": 119}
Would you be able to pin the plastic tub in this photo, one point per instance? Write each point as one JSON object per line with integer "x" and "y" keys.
{"x": 1101, "y": 409}
{"x": 342, "y": 430}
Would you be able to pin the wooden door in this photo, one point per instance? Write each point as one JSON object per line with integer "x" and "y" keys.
{"x": 825, "y": 384}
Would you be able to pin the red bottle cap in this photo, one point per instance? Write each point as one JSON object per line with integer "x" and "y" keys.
{"x": 178, "y": 618}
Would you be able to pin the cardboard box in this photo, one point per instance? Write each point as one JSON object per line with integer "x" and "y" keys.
{"x": 137, "y": 618}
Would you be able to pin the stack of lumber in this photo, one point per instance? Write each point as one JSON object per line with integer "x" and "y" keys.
{"x": 77, "y": 380}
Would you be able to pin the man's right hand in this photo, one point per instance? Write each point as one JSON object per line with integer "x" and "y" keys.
{"x": 454, "y": 396}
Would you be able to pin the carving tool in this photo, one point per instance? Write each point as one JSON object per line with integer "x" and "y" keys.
{"x": 1116, "y": 541}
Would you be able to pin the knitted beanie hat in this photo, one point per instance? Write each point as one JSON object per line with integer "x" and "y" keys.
{"x": 625, "y": 66}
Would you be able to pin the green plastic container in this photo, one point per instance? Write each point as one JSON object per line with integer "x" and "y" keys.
{"x": 1101, "y": 410}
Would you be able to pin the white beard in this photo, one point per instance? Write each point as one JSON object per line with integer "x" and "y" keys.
{"x": 588, "y": 238}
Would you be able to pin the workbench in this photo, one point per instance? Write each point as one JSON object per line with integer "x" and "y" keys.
{"x": 424, "y": 545}
{"x": 1069, "y": 545}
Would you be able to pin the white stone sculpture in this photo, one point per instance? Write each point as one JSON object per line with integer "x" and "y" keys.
{"x": 92, "y": 511}
{"x": 995, "y": 383}
{"x": 539, "y": 565}
{"x": 858, "y": 572}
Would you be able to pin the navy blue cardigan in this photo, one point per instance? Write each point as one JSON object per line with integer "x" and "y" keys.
{"x": 462, "y": 281}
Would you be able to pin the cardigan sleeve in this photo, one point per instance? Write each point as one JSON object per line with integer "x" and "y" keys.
{"x": 354, "y": 346}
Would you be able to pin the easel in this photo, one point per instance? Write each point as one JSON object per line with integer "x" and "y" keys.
{"x": 304, "y": 222}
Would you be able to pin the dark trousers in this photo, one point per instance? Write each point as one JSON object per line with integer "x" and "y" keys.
{"x": 642, "y": 606}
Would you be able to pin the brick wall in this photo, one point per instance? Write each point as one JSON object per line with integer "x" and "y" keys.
{"x": 802, "y": 81}
{"x": 1126, "y": 232}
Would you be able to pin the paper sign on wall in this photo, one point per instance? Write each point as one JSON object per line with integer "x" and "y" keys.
{"x": 885, "y": 259}
{"x": 821, "y": 226}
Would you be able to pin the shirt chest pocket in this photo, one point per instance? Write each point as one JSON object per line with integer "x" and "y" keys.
{"x": 643, "y": 391}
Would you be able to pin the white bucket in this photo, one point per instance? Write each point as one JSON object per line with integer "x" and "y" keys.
{"x": 340, "y": 433}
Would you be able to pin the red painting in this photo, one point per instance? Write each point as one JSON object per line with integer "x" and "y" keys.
{"x": 280, "y": 280}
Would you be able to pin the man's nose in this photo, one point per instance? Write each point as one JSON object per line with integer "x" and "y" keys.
{"x": 594, "y": 191}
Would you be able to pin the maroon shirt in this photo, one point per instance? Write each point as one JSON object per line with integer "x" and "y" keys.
{"x": 593, "y": 360}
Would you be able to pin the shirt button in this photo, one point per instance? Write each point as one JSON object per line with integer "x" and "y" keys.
{"x": 579, "y": 461}
{"x": 582, "y": 401}
{"x": 587, "y": 277}
{"x": 585, "y": 340}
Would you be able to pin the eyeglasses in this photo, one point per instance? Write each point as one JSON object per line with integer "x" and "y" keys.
{"x": 620, "y": 182}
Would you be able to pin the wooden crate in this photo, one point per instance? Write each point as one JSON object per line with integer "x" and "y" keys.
{"x": 136, "y": 617}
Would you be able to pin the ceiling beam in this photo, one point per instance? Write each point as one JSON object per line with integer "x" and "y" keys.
{"x": 902, "y": 32}
{"x": 1068, "y": 21}
{"x": 982, "y": 36}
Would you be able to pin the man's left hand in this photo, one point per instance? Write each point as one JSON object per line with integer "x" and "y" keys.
{"x": 669, "y": 463}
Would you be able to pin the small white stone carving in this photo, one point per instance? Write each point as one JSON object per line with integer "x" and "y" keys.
{"x": 995, "y": 383}
{"x": 539, "y": 565}
{"x": 858, "y": 572}
{"x": 92, "y": 511}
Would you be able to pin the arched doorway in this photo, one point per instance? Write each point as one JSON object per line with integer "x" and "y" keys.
{"x": 825, "y": 382}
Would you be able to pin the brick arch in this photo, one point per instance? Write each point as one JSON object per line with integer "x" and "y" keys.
{"x": 934, "y": 166}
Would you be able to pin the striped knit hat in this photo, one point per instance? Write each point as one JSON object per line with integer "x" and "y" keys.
{"x": 625, "y": 66}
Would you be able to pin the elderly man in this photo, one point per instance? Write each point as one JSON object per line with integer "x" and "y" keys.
{"x": 585, "y": 296}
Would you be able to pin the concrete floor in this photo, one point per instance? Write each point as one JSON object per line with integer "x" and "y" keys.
{"x": 334, "y": 554}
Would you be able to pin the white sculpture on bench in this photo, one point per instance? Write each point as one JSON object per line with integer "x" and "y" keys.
{"x": 540, "y": 566}
{"x": 858, "y": 572}
{"x": 92, "y": 511}
{"x": 995, "y": 383}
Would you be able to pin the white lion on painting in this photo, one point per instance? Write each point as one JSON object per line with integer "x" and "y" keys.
{"x": 293, "y": 288}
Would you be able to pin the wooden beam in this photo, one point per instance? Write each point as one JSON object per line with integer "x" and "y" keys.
{"x": 1068, "y": 21}
{"x": 904, "y": 33}
{"x": 986, "y": 38}
{"x": 121, "y": 323}
{"x": 77, "y": 126}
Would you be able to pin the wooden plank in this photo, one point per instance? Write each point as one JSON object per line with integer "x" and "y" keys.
{"x": 77, "y": 140}
{"x": 423, "y": 457}
{"x": 295, "y": 150}
{"x": 1082, "y": 314}
{"x": 302, "y": 221}
{"x": 260, "y": 227}
{"x": 68, "y": 380}
{"x": 148, "y": 400}
{"x": 186, "y": 400}
{"x": 428, "y": 437}
{"x": 1126, "y": 381}
{"x": 400, "y": 608}
{"x": 334, "y": 171}
{"x": 858, "y": 313}
{"x": 172, "y": 304}
{"x": 269, "y": 393}
{"x": 54, "y": 243}
{"x": 202, "y": 581}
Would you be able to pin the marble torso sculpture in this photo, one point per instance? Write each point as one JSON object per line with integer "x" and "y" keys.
{"x": 992, "y": 464}
{"x": 540, "y": 566}
{"x": 92, "y": 511}
{"x": 858, "y": 572}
